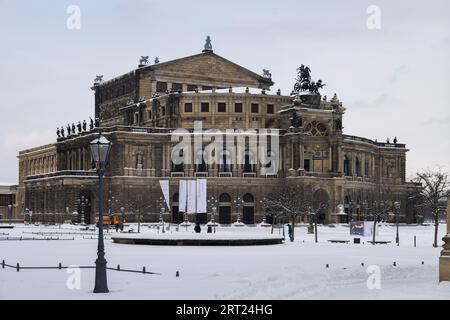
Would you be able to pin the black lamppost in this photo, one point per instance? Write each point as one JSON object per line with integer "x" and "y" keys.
{"x": 397, "y": 206}
{"x": 238, "y": 203}
{"x": 365, "y": 209}
{"x": 100, "y": 148}
{"x": 161, "y": 212}
{"x": 352, "y": 208}
{"x": 213, "y": 203}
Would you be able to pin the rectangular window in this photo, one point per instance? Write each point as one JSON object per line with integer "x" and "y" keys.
{"x": 163, "y": 111}
{"x": 270, "y": 109}
{"x": 161, "y": 86}
{"x": 222, "y": 107}
{"x": 191, "y": 87}
{"x": 206, "y": 88}
{"x": 255, "y": 108}
{"x": 149, "y": 114}
{"x": 177, "y": 86}
{"x": 188, "y": 107}
{"x": 238, "y": 107}
{"x": 205, "y": 107}
{"x": 307, "y": 164}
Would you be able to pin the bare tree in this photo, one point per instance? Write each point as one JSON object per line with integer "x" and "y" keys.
{"x": 379, "y": 210}
{"x": 314, "y": 214}
{"x": 273, "y": 211}
{"x": 434, "y": 186}
{"x": 291, "y": 201}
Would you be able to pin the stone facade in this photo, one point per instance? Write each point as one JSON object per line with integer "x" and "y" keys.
{"x": 8, "y": 203}
{"x": 139, "y": 111}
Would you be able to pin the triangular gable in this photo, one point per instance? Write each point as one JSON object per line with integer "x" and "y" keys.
{"x": 211, "y": 69}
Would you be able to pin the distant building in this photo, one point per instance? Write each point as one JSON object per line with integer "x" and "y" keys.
{"x": 139, "y": 111}
{"x": 8, "y": 205}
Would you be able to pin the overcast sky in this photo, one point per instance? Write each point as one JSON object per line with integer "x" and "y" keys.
{"x": 394, "y": 81}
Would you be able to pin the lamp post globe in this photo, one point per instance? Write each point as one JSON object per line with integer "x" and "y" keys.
{"x": 100, "y": 148}
{"x": 10, "y": 211}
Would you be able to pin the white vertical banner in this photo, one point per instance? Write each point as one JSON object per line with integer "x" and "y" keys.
{"x": 182, "y": 196}
{"x": 201, "y": 196}
{"x": 165, "y": 190}
{"x": 191, "y": 196}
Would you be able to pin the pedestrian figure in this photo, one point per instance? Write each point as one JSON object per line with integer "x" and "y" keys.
{"x": 197, "y": 228}
{"x": 290, "y": 232}
{"x": 117, "y": 227}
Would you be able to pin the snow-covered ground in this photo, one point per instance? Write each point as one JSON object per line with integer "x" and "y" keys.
{"x": 289, "y": 271}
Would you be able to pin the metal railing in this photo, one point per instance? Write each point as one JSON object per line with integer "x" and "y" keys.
{"x": 18, "y": 267}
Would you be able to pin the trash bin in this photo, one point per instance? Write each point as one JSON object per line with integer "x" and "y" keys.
{"x": 356, "y": 240}
{"x": 310, "y": 229}
{"x": 209, "y": 229}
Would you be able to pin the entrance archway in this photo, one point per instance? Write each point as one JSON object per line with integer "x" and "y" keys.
{"x": 321, "y": 197}
{"x": 177, "y": 217}
{"x": 248, "y": 210}
{"x": 224, "y": 208}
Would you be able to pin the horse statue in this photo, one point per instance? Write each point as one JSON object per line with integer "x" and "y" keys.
{"x": 267, "y": 74}
{"x": 98, "y": 79}
{"x": 144, "y": 60}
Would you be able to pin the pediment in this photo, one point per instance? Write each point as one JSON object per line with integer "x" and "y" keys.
{"x": 209, "y": 68}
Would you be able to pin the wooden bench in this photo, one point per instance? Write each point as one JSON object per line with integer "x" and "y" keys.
{"x": 339, "y": 241}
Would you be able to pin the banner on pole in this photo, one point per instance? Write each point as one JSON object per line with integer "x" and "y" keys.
{"x": 182, "y": 196}
{"x": 201, "y": 196}
{"x": 191, "y": 196}
{"x": 165, "y": 190}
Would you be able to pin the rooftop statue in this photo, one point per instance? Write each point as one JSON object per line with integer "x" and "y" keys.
{"x": 98, "y": 79}
{"x": 143, "y": 61}
{"x": 304, "y": 82}
{"x": 267, "y": 74}
{"x": 208, "y": 45}
{"x": 91, "y": 124}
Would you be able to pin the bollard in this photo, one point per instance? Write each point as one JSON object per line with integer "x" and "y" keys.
{"x": 423, "y": 262}
{"x": 327, "y": 266}
{"x": 177, "y": 274}
{"x": 143, "y": 269}
{"x": 3, "y": 264}
{"x": 18, "y": 267}
{"x": 394, "y": 264}
{"x": 362, "y": 264}
{"x": 118, "y": 267}
{"x": 60, "y": 266}
{"x": 415, "y": 241}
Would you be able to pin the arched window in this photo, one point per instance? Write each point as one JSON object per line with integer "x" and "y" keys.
{"x": 367, "y": 167}
{"x": 200, "y": 164}
{"x": 224, "y": 197}
{"x": 358, "y": 167}
{"x": 316, "y": 129}
{"x": 249, "y": 162}
{"x": 178, "y": 167}
{"x": 225, "y": 161}
{"x": 347, "y": 170}
{"x": 248, "y": 198}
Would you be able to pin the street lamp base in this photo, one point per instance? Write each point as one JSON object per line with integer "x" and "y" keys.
{"x": 101, "y": 284}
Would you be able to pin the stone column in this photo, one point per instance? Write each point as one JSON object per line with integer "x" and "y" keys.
{"x": 363, "y": 165}
{"x": 302, "y": 156}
